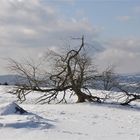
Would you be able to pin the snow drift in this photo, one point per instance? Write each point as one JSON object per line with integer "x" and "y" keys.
{"x": 12, "y": 108}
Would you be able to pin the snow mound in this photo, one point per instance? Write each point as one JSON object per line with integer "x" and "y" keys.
{"x": 10, "y": 118}
{"x": 25, "y": 122}
{"x": 12, "y": 108}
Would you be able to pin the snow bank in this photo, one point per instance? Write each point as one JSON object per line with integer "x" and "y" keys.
{"x": 10, "y": 118}
{"x": 12, "y": 108}
{"x": 83, "y": 121}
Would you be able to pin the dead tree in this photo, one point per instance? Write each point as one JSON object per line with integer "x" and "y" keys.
{"x": 109, "y": 79}
{"x": 127, "y": 96}
{"x": 72, "y": 72}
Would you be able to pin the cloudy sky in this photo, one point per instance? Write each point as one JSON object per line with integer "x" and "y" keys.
{"x": 29, "y": 27}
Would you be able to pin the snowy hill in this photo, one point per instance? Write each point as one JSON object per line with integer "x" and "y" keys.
{"x": 131, "y": 79}
{"x": 10, "y": 79}
{"x": 83, "y": 121}
{"x": 128, "y": 79}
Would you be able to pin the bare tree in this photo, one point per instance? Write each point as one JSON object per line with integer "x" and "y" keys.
{"x": 124, "y": 95}
{"x": 73, "y": 72}
{"x": 127, "y": 97}
{"x": 109, "y": 79}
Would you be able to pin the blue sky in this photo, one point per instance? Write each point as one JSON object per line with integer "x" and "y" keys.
{"x": 106, "y": 13}
{"x": 28, "y": 28}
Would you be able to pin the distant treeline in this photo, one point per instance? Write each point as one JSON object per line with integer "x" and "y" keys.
{"x": 5, "y": 83}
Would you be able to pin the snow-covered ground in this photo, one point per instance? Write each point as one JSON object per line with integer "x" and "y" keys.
{"x": 84, "y": 121}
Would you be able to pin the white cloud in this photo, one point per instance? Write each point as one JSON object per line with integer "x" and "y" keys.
{"x": 29, "y": 27}
{"x": 123, "y": 18}
{"x": 124, "y": 54}
{"x": 137, "y": 9}
{"x": 28, "y": 31}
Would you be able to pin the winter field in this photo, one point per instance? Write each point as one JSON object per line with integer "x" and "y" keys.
{"x": 85, "y": 121}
